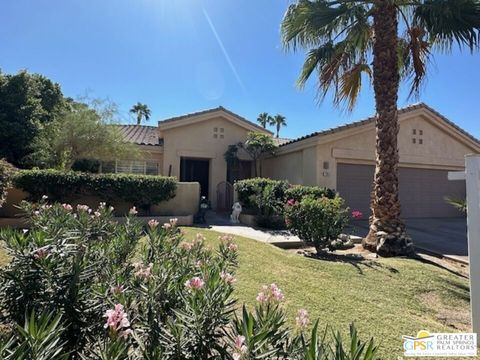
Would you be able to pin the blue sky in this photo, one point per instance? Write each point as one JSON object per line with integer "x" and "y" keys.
{"x": 181, "y": 56}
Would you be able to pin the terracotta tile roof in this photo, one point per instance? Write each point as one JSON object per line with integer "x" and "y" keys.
{"x": 281, "y": 141}
{"x": 141, "y": 134}
{"x": 220, "y": 108}
{"x": 372, "y": 119}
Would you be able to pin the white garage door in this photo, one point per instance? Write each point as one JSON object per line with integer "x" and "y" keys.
{"x": 422, "y": 191}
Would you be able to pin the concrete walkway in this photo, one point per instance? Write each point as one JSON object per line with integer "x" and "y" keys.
{"x": 280, "y": 238}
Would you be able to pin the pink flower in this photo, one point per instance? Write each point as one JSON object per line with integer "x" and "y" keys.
{"x": 97, "y": 214}
{"x": 270, "y": 294}
{"x": 199, "y": 239}
{"x": 41, "y": 253}
{"x": 287, "y": 221}
{"x": 291, "y": 202}
{"x": 102, "y": 205}
{"x": 153, "y": 223}
{"x": 83, "y": 208}
{"x": 186, "y": 245}
{"x": 357, "y": 214}
{"x": 142, "y": 271}
{"x": 133, "y": 211}
{"x": 67, "y": 207}
{"x": 173, "y": 222}
{"x": 227, "y": 277}
{"x": 117, "y": 320}
{"x": 302, "y": 319}
{"x": 167, "y": 226}
{"x": 117, "y": 289}
{"x": 195, "y": 283}
{"x": 232, "y": 247}
{"x": 239, "y": 348}
{"x": 44, "y": 197}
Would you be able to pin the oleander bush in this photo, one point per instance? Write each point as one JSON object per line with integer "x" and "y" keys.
{"x": 65, "y": 186}
{"x": 6, "y": 173}
{"x": 249, "y": 191}
{"x": 80, "y": 286}
{"x": 317, "y": 221}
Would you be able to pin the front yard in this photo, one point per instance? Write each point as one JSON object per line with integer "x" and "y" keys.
{"x": 387, "y": 298}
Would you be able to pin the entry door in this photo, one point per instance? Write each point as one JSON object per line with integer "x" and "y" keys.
{"x": 195, "y": 170}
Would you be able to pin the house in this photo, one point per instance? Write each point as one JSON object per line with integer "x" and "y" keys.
{"x": 192, "y": 148}
{"x": 343, "y": 158}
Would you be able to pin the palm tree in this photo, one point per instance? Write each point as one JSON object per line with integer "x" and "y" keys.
{"x": 141, "y": 111}
{"x": 264, "y": 119}
{"x": 348, "y": 41}
{"x": 279, "y": 121}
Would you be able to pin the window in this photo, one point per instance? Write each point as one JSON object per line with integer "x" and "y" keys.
{"x": 414, "y": 131}
{"x": 215, "y": 136}
{"x": 414, "y": 141}
{"x": 420, "y": 132}
{"x": 420, "y": 141}
{"x": 221, "y": 136}
{"x": 222, "y": 130}
{"x": 130, "y": 167}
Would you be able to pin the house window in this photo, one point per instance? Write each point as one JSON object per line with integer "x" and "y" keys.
{"x": 130, "y": 167}
{"x": 420, "y": 132}
{"x": 222, "y": 130}
{"x": 420, "y": 141}
{"x": 414, "y": 141}
{"x": 414, "y": 131}
{"x": 221, "y": 136}
{"x": 215, "y": 136}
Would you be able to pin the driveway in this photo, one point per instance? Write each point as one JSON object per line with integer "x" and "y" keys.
{"x": 445, "y": 236}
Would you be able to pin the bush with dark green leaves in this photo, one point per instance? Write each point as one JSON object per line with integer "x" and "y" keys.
{"x": 298, "y": 192}
{"x": 249, "y": 189}
{"x": 317, "y": 221}
{"x": 80, "y": 286}
{"x": 6, "y": 173}
{"x": 67, "y": 186}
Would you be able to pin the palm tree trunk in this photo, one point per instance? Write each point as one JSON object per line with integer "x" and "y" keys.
{"x": 387, "y": 235}
{"x": 278, "y": 130}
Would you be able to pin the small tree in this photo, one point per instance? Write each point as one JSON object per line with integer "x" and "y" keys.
{"x": 141, "y": 111}
{"x": 83, "y": 133}
{"x": 257, "y": 145}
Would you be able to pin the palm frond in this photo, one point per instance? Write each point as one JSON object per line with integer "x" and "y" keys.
{"x": 450, "y": 21}
{"x": 351, "y": 84}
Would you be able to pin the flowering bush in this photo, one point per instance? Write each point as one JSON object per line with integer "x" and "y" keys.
{"x": 97, "y": 289}
{"x": 317, "y": 221}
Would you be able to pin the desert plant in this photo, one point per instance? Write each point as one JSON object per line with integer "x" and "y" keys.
{"x": 317, "y": 221}
{"x": 459, "y": 204}
{"x": 298, "y": 192}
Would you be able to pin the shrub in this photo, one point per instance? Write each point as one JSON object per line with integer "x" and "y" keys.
{"x": 249, "y": 189}
{"x": 317, "y": 221}
{"x": 6, "y": 173}
{"x": 91, "y": 289}
{"x": 141, "y": 190}
{"x": 298, "y": 192}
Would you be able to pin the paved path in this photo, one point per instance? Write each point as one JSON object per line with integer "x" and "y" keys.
{"x": 447, "y": 236}
{"x": 281, "y": 238}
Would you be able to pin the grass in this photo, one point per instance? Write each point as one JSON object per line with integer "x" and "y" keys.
{"x": 386, "y": 298}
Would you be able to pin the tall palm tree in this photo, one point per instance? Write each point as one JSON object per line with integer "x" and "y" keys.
{"x": 348, "y": 41}
{"x": 279, "y": 121}
{"x": 264, "y": 119}
{"x": 141, "y": 111}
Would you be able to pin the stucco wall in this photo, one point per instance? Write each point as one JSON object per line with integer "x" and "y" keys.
{"x": 441, "y": 148}
{"x": 185, "y": 202}
{"x": 197, "y": 141}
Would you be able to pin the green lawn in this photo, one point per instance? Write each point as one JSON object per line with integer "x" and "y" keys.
{"x": 386, "y": 298}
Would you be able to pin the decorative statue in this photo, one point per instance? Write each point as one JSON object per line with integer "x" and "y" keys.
{"x": 236, "y": 210}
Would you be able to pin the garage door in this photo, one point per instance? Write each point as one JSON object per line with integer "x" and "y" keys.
{"x": 422, "y": 191}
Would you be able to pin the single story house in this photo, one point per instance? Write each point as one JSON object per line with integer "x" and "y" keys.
{"x": 192, "y": 148}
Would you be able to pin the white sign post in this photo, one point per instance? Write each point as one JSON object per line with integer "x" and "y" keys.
{"x": 472, "y": 180}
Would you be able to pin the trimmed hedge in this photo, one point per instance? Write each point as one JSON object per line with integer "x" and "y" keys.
{"x": 251, "y": 189}
{"x": 141, "y": 190}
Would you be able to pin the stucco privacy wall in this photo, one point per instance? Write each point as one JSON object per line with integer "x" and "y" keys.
{"x": 196, "y": 141}
{"x": 185, "y": 202}
{"x": 441, "y": 147}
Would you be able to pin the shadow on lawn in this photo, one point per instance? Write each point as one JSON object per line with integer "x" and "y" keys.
{"x": 357, "y": 261}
